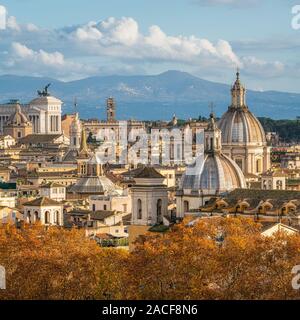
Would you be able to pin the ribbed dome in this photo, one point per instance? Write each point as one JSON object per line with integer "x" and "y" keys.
{"x": 216, "y": 174}
{"x": 100, "y": 184}
{"x": 18, "y": 117}
{"x": 212, "y": 173}
{"x": 239, "y": 125}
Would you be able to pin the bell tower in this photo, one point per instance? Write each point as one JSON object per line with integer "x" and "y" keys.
{"x": 75, "y": 133}
{"x": 212, "y": 136}
{"x": 111, "y": 110}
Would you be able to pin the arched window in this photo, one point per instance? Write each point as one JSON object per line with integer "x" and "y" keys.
{"x": 28, "y": 216}
{"x": 267, "y": 208}
{"x": 239, "y": 162}
{"x": 207, "y": 146}
{"x": 47, "y": 217}
{"x": 36, "y": 216}
{"x": 139, "y": 209}
{"x": 159, "y": 210}
{"x": 186, "y": 206}
{"x": 57, "y": 217}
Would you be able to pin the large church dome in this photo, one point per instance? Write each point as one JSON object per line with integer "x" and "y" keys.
{"x": 238, "y": 124}
{"x": 212, "y": 173}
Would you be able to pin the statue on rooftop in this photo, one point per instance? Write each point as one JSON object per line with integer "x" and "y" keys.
{"x": 45, "y": 92}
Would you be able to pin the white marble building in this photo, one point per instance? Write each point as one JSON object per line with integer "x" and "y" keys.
{"x": 44, "y": 112}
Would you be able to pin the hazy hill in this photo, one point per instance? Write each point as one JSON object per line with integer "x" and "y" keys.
{"x": 149, "y": 97}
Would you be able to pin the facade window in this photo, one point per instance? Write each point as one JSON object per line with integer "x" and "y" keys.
{"x": 159, "y": 210}
{"x": 186, "y": 206}
{"x": 47, "y": 217}
{"x": 265, "y": 185}
{"x": 94, "y": 207}
{"x": 239, "y": 162}
{"x": 139, "y": 209}
{"x": 258, "y": 166}
{"x": 279, "y": 185}
{"x": 105, "y": 207}
{"x": 57, "y": 216}
{"x": 28, "y": 217}
{"x": 36, "y": 216}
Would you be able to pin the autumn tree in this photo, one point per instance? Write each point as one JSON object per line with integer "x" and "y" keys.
{"x": 51, "y": 263}
{"x": 216, "y": 258}
{"x": 219, "y": 258}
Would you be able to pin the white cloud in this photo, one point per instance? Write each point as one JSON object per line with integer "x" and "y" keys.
{"x": 2, "y": 17}
{"x": 121, "y": 38}
{"x": 21, "y": 52}
{"x": 117, "y": 44}
{"x": 124, "y": 31}
{"x": 13, "y": 24}
{"x": 257, "y": 67}
{"x": 24, "y": 59}
{"x": 88, "y": 32}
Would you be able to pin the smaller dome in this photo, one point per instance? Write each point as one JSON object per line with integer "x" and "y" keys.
{"x": 214, "y": 174}
{"x": 18, "y": 118}
{"x": 96, "y": 185}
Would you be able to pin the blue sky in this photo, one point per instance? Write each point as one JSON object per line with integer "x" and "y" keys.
{"x": 208, "y": 38}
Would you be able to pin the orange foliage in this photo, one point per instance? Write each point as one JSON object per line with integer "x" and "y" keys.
{"x": 50, "y": 264}
{"x": 219, "y": 258}
{"x": 222, "y": 258}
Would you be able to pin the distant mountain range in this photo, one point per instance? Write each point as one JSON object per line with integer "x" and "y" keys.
{"x": 149, "y": 97}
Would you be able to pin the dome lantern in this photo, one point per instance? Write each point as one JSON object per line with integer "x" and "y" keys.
{"x": 212, "y": 136}
{"x": 238, "y": 93}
